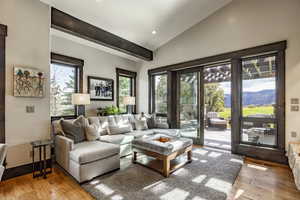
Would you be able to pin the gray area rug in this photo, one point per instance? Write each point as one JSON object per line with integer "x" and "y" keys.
{"x": 210, "y": 176}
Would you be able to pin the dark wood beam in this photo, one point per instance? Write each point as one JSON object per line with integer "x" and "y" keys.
{"x": 69, "y": 24}
{"x": 277, "y": 46}
{"x": 3, "y": 34}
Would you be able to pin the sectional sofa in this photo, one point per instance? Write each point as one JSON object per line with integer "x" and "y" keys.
{"x": 88, "y": 159}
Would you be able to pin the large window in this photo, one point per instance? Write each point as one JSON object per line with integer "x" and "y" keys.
{"x": 161, "y": 94}
{"x": 126, "y": 86}
{"x": 259, "y": 101}
{"x": 65, "y": 79}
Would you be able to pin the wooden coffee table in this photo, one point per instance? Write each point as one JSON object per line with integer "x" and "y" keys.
{"x": 164, "y": 151}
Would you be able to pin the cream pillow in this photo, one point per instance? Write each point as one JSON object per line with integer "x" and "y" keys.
{"x": 141, "y": 125}
{"x": 92, "y": 132}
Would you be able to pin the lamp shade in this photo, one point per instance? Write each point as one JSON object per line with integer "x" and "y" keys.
{"x": 80, "y": 99}
{"x": 128, "y": 100}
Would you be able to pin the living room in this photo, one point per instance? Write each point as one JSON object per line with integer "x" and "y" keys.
{"x": 159, "y": 100}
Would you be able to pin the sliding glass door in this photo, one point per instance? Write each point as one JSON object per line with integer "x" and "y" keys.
{"x": 259, "y": 91}
{"x": 189, "y": 104}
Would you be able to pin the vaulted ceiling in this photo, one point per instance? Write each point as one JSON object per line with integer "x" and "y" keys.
{"x": 136, "y": 20}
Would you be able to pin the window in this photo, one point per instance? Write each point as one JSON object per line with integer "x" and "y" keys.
{"x": 161, "y": 94}
{"x": 259, "y": 101}
{"x": 126, "y": 86}
{"x": 65, "y": 79}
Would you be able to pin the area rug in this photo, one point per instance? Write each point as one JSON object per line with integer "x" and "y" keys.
{"x": 210, "y": 176}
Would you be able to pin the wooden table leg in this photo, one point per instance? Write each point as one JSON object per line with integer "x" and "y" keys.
{"x": 134, "y": 157}
{"x": 189, "y": 155}
{"x": 166, "y": 167}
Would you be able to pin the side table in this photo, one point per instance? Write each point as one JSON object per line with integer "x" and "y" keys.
{"x": 42, "y": 163}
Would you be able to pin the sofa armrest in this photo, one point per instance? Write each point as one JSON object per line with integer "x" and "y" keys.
{"x": 63, "y": 146}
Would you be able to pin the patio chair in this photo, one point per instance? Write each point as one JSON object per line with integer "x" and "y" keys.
{"x": 214, "y": 121}
{"x": 2, "y": 158}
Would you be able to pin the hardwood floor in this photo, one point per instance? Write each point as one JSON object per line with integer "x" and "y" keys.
{"x": 256, "y": 181}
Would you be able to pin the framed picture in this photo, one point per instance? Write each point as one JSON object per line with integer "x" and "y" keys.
{"x": 101, "y": 89}
{"x": 28, "y": 82}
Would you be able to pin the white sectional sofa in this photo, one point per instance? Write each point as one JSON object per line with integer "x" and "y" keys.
{"x": 88, "y": 159}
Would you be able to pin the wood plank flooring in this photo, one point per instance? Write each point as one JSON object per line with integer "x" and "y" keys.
{"x": 256, "y": 181}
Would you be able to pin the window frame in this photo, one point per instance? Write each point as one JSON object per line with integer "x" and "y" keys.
{"x": 128, "y": 74}
{"x": 78, "y": 65}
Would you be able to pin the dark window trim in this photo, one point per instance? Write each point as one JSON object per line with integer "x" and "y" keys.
{"x": 273, "y": 47}
{"x": 129, "y": 74}
{"x": 235, "y": 58}
{"x": 78, "y": 65}
{"x": 3, "y": 34}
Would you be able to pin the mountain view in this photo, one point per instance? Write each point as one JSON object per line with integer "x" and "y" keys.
{"x": 263, "y": 97}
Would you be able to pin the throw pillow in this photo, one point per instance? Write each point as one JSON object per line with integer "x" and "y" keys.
{"x": 75, "y": 130}
{"x": 141, "y": 124}
{"x": 92, "y": 132}
{"x": 151, "y": 122}
{"x": 119, "y": 129}
{"x": 57, "y": 128}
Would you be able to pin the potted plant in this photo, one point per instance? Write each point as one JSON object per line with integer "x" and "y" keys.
{"x": 108, "y": 110}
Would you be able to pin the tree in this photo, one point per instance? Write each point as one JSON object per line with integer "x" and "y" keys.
{"x": 55, "y": 93}
{"x": 161, "y": 94}
{"x": 214, "y": 98}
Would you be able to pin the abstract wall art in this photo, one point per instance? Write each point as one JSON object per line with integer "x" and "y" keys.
{"x": 29, "y": 82}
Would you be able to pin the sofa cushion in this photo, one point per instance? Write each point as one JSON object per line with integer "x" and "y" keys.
{"x": 57, "y": 128}
{"x": 75, "y": 130}
{"x": 92, "y": 132}
{"x": 119, "y": 129}
{"x": 138, "y": 134}
{"x": 141, "y": 124}
{"x": 117, "y": 139}
{"x": 86, "y": 152}
{"x": 170, "y": 132}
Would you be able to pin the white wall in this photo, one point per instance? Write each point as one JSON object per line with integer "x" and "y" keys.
{"x": 96, "y": 63}
{"x": 239, "y": 25}
{"x": 27, "y": 45}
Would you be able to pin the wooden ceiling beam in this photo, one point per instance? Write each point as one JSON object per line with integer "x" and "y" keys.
{"x": 69, "y": 24}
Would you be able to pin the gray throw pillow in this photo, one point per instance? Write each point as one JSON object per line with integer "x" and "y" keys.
{"x": 75, "y": 130}
{"x": 141, "y": 125}
{"x": 119, "y": 129}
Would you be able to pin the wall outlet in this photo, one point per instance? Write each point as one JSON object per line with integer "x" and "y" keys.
{"x": 294, "y": 101}
{"x": 294, "y": 134}
{"x": 294, "y": 108}
{"x": 30, "y": 109}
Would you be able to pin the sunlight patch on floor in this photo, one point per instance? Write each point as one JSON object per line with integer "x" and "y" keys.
{"x": 95, "y": 182}
{"x": 104, "y": 189}
{"x": 199, "y": 179}
{"x": 236, "y": 160}
{"x": 203, "y": 161}
{"x": 116, "y": 197}
{"x": 219, "y": 185}
{"x": 200, "y": 151}
{"x": 158, "y": 187}
{"x": 238, "y": 193}
{"x": 176, "y": 193}
{"x": 181, "y": 172}
{"x": 261, "y": 168}
{"x": 214, "y": 154}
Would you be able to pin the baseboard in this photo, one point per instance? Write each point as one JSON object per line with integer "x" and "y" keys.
{"x": 21, "y": 170}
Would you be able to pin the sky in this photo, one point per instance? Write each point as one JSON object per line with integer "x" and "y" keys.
{"x": 253, "y": 85}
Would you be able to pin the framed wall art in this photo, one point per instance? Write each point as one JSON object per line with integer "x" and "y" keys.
{"x": 101, "y": 89}
{"x": 28, "y": 82}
